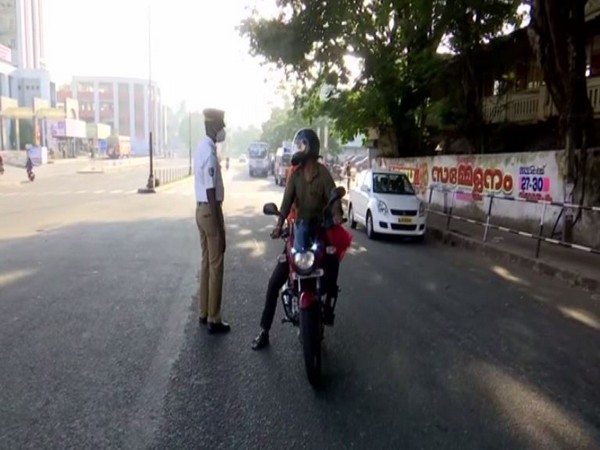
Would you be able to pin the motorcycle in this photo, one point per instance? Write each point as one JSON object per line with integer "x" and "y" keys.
{"x": 303, "y": 296}
{"x": 30, "y": 175}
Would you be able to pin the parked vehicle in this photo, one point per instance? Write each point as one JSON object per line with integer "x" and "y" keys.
{"x": 259, "y": 162}
{"x": 385, "y": 202}
{"x": 119, "y": 147}
{"x": 283, "y": 161}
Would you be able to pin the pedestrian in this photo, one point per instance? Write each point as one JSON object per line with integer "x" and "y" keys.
{"x": 209, "y": 218}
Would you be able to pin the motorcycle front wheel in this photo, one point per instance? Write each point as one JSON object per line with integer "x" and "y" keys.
{"x": 310, "y": 332}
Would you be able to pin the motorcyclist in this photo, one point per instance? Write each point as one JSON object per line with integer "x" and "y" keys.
{"x": 29, "y": 165}
{"x": 307, "y": 191}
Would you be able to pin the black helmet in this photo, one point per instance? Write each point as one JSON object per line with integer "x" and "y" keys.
{"x": 307, "y": 146}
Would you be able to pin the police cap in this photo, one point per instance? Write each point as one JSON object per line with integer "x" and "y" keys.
{"x": 213, "y": 115}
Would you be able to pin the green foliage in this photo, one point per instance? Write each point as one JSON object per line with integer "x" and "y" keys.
{"x": 285, "y": 122}
{"x": 239, "y": 140}
{"x": 395, "y": 44}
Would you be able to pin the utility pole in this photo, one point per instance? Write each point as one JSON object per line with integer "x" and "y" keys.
{"x": 190, "y": 142}
{"x": 150, "y": 186}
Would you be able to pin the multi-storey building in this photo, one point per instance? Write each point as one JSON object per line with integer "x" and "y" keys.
{"x": 128, "y": 105}
{"x": 22, "y": 30}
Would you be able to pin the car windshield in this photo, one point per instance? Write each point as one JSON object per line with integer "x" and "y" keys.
{"x": 304, "y": 235}
{"x": 257, "y": 152}
{"x": 392, "y": 183}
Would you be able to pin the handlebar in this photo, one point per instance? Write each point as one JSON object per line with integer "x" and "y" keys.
{"x": 285, "y": 231}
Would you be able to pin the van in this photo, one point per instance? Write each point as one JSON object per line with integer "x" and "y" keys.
{"x": 283, "y": 161}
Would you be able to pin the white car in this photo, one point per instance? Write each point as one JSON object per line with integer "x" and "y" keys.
{"x": 385, "y": 202}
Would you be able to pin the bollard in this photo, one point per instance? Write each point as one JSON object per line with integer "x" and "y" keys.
{"x": 541, "y": 232}
{"x": 487, "y": 220}
{"x": 451, "y": 210}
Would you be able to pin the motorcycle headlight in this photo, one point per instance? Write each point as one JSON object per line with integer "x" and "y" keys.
{"x": 382, "y": 207}
{"x": 304, "y": 260}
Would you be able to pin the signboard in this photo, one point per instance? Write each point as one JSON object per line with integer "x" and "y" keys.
{"x": 38, "y": 155}
{"x": 70, "y": 128}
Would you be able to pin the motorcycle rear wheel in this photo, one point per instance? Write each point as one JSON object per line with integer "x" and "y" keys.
{"x": 310, "y": 332}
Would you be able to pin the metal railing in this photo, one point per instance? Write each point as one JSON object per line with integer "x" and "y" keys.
{"x": 488, "y": 225}
{"x": 166, "y": 175}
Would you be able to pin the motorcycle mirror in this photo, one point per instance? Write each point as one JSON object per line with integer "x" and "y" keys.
{"x": 337, "y": 193}
{"x": 270, "y": 209}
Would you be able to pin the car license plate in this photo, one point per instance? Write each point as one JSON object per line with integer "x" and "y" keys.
{"x": 405, "y": 220}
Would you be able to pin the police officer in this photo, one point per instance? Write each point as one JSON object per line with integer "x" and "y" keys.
{"x": 209, "y": 218}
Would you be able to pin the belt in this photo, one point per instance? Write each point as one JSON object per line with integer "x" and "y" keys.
{"x": 206, "y": 203}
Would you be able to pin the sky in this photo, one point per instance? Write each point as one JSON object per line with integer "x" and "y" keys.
{"x": 197, "y": 55}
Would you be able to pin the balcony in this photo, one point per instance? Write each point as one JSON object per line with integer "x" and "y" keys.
{"x": 532, "y": 106}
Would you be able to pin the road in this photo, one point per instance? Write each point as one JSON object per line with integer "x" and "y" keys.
{"x": 432, "y": 347}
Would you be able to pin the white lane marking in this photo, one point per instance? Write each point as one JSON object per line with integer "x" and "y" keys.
{"x": 116, "y": 191}
{"x": 99, "y": 192}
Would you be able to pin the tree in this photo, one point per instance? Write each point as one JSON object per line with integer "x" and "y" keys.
{"x": 239, "y": 140}
{"x": 395, "y": 43}
{"x": 558, "y": 35}
{"x": 198, "y": 130}
{"x": 285, "y": 122}
{"x": 473, "y": 23}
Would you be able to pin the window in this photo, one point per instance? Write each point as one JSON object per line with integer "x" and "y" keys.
{"x": 392, "y": 183}
{"x": 593, "y": 56}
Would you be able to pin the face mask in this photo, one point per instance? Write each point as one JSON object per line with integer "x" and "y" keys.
{"x": 221, "y": 135}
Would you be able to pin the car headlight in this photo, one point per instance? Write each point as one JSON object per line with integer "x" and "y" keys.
{"x": 382, "y": 207}
{"x": 304, "y": 260}
{"x": 422, "y": 209}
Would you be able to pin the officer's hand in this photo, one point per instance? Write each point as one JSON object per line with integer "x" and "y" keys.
{"x": 276, "y": 233}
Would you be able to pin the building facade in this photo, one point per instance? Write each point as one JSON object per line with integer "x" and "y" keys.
{"x": 27, "y": 84}
{"x": 22, "y": 30}
{"x": 129, "y": 105}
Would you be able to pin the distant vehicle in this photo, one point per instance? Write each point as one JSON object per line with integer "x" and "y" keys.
{"x": 243, "y": 159}
{"x": 385, "y": 202}
{"x": 259, "y": 162}
{"x": 283, "y": 161}
{"x": 119, "y": 147}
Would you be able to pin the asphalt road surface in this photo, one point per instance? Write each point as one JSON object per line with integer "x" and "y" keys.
{"x": 432, "y": 347}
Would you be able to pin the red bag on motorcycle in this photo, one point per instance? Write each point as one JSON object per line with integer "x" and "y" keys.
{"x": 340, "y": 238}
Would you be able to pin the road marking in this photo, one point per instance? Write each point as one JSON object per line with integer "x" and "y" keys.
{"x": 116, "y": 191}
{"x": 99, "y": 192}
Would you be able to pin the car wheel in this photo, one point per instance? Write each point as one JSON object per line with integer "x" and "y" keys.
{"x": 351, "y": 218}
{"x": 370, "y": 232}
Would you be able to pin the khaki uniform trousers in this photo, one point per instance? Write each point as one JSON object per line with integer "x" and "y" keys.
{"x": 211, "y": 269}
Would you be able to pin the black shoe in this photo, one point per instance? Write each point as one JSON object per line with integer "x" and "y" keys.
{"x": 328, "y": 316}
{"x": 218, "y": 328}
{"x": 202, "y": 321}
{"x": 261, "y": 341}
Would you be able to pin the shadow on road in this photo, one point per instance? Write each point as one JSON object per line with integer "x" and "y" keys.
{"x": 432, "y": 348}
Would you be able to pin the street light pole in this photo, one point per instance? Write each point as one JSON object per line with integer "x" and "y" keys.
{"x": 150, "y": 185}
{"x": 190, "y": 143}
